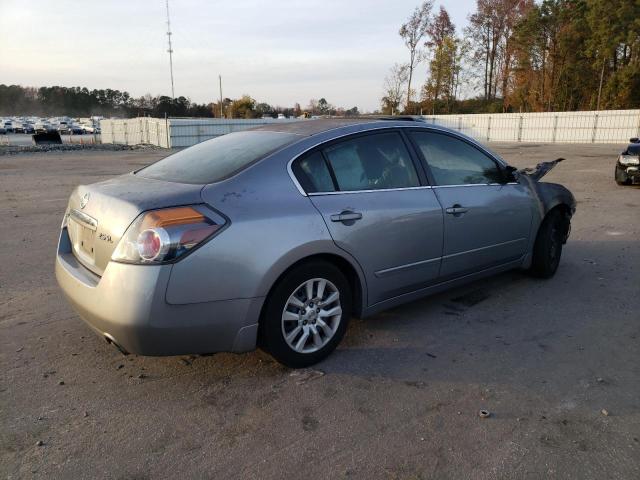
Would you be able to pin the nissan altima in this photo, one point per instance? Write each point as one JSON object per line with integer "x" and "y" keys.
{"x": 275, "y": 237}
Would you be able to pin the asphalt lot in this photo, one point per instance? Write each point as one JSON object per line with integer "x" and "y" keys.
{"x": 399, "y": 399}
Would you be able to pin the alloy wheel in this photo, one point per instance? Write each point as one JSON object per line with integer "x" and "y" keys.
{"x": 311, "y": 315}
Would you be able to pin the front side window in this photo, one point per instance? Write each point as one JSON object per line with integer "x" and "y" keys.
{"x": 372, "y": 162}
{"x": 455, "y": 162}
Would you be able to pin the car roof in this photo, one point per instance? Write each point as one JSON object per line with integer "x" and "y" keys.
{"x": 310, "y": 127}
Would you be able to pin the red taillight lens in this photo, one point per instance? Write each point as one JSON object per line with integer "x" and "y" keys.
{"x": 164, "y": 235}
{"x": 153, "y": 242}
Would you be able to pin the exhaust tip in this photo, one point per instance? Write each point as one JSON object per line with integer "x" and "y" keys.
{"x": 113, "y": 342}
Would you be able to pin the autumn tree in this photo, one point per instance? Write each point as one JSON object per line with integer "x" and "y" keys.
{"x": 412, "y": 33}
{"x": 442, "y": 66}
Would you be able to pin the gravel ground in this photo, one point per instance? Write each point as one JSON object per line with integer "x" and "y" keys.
{"x": 556, "y": 363}
{"x": 24, "y": 139}
{"x": 69, "y": 144}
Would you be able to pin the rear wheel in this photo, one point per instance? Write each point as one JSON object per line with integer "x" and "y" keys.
{"x": 306, "y": 314}
{"x": 548, "y": 247}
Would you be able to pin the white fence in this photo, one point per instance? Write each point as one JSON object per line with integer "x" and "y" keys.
{"x": 136, "y": 131}
{"x": 174, "y": 132}
{"x": 606, "y": 126}
{"x": 189, "y": 131}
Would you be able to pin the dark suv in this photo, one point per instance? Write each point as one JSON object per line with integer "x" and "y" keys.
{"x": 628, "y": 164}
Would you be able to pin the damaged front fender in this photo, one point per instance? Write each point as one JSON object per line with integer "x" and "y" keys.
{"x": 548, "y": 195}
{"x": 539, "y": 171}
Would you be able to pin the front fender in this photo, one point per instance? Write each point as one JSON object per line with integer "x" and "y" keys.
{"x": 552, "y": 194}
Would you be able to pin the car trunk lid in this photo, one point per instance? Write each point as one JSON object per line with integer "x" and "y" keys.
{"x": 99, "y": 214}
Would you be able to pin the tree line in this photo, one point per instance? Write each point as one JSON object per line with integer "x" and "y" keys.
{"x": 519, "y": 55}
{"x": 82, "y": 102}
{"x": 514, "y": 55}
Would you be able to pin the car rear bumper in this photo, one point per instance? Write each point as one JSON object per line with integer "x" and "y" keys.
{"x": 127, "y": 307}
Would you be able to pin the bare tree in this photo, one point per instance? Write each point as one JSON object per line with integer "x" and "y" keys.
{"x": 394, "y": 88}
{"x": 412, "y": 32}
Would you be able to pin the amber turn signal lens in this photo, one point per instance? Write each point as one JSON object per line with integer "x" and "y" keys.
{"x": 172, "y": 216}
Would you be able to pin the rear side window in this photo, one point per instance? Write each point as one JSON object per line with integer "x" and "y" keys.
{"x": 455, "y": 162}
{"x": 372, "y": 162}
{"x": 313, "y": 174}
{"x": 217, "y": 159}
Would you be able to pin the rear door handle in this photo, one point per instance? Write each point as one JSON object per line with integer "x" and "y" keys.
{"x": 346, "y": 216}
{"x": 456, "y": 210}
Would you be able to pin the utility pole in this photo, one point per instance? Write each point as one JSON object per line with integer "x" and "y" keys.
{"x": 173, "y": 95}
{"x": 600, "y": 87}
{"x": 220, "y": 80}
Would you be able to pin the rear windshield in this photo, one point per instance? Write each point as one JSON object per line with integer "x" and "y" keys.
{"x": 217, "y": 159}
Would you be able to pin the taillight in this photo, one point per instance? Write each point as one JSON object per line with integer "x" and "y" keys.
{"x": 165, "y": 235}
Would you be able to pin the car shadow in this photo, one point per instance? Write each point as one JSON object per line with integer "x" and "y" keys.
{"x": 508, "y": 329}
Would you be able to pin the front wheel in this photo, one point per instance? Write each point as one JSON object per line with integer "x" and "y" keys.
{"x": 306, "y": 314}
{"x": 548, "y": 247}
{"x": 621, "y": 176}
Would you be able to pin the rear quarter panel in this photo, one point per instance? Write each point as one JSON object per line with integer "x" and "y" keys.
{"x": 272, "y": 227}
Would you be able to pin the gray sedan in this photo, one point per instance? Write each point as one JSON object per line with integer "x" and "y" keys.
{"x": 277, "y": 236}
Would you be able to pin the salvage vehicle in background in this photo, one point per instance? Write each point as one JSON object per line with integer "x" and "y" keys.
{"x": 276, "y": 236}
{"x": 76, "y": 129}
{"x": 63, "y": 127}
{"x": 628, "y": 164}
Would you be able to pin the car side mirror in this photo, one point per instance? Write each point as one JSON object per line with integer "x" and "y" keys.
{"x": 509, "y": 174}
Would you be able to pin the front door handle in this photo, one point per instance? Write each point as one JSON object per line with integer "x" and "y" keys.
{"x": 456, "y": 210}
{"x": 346, "y": 216}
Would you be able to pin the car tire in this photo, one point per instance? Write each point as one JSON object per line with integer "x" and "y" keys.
{"x": 621, "y": 177}
{"x": 290, "y": 314}
{"x": 548, "y": 247}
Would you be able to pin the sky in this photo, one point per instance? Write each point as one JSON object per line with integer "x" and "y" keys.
{"x": 278, "y": 51}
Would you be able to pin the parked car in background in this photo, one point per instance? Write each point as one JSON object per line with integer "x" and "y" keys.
{"x": 3, "y": 131}
{"x": 63, "y": 127}
{"x": 28, "y": 128}
{"x": 276, "y": 236}
{"x": 628, "y": 164}
{"x": 77, "y": 130}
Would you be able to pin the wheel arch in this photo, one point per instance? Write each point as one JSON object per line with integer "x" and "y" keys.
{"x": 565, "y": 211}
{"x": 348, "y": 267}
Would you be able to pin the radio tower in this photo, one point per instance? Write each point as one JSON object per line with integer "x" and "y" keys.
{"x": 170, "y": 50}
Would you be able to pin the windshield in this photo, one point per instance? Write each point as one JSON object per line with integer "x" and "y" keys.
{"x": 633, "y": 149}
{"x": 217, "y": 159}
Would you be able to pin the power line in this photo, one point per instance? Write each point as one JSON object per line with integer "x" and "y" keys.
{"x": 173, "y": 95}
